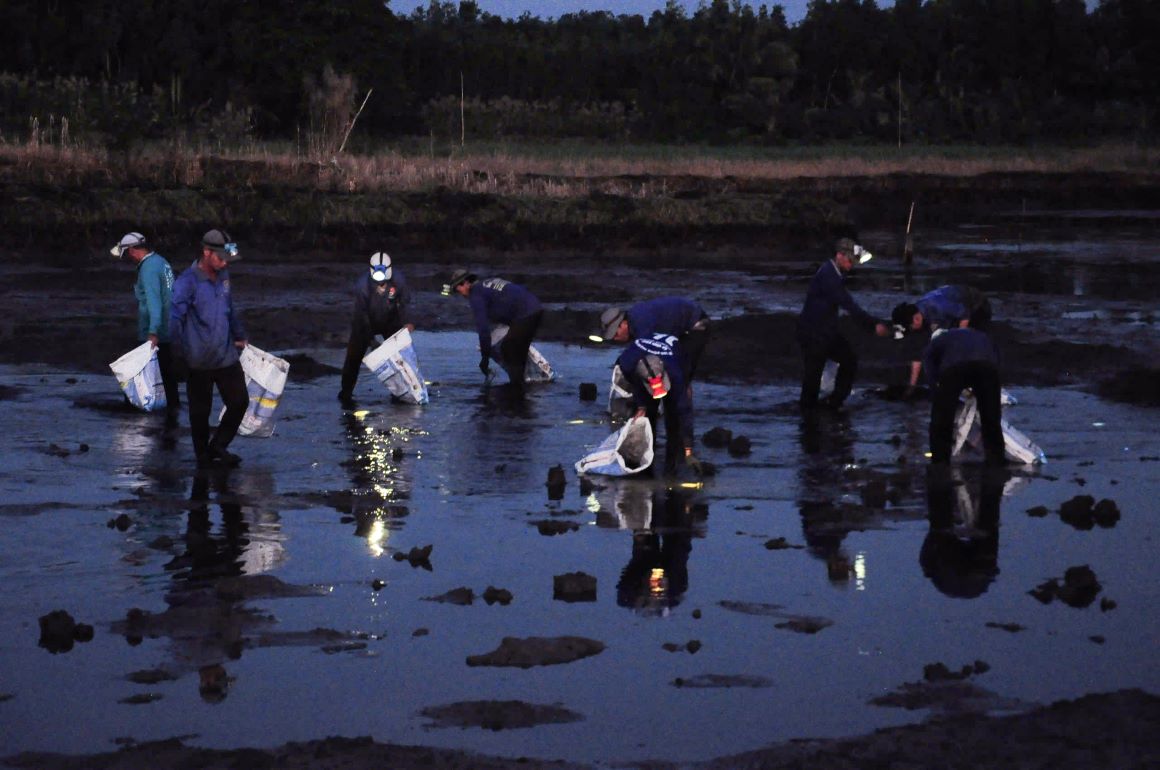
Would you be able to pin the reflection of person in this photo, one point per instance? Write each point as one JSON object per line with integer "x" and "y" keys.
{"x": 207, "y": 335}
{"x": 818, "y": 332}
{"x": 380, "y": 304}
{"x": 656, "y": 576}
{"x": 499, "y": 301}
{"x": 154, "y": 291}
{"x": 680, "y": 317}
{"x": 960, "y": 554}
{"x": 653, "y": 369}
{"x": 955, "y": 360}
{"x": 947, "y": 307}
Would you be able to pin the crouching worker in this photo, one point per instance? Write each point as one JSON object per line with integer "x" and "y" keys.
{"x": 207, "y": 336}
{"x": 683, "y": 318}
{"x": 380, "y": 305}
{"x": 499, "y": 301}
{"x": 957, "y": 359}
{"x": 654, "y": 369}
{"x": 947, "y": 307}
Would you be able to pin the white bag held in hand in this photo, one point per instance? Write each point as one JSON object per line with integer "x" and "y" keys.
{"x": 628, "y": 451}
{"x": 396, "y": 365}
{"x": 139, "y": 376}
{"x": 537, "y": 369}
{"x": 265, "y": 379}
{"x": 969, "y": 430}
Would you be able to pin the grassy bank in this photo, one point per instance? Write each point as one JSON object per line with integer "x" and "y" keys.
{"x": 562, "y": 195}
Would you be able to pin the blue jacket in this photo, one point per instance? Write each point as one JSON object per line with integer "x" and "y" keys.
{"x": 668, "y": 350}
{"x": 384, "y": 313}
{"x": 495, "y": 300}
{"x": 944, "y": 307}
{"x": 818, "y": 320}
{"x": 957, "y": 346}
{"x": 154, "y": 291}
{"x": 664, "y": 315}
{"x": 202, "y": 324}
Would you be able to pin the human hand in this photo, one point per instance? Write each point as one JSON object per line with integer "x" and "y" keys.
{"x": 881, "y": 329}
{"x": 153, "y": 340}
{"x": 410, "y": 327}
{"x": 240, "y": 344}
{"x": 693, "y": 463}
{"x": 379, "y": 339}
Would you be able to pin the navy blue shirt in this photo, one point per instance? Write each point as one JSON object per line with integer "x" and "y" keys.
{"x": 495, "y": 300}
{"x": 664, "y": 315}
{"x": 668, "y": 350}
{"x": 384, "y": 313}
{"x": 945, "y": 306}
{"x": 819, "y": 317}
{"x": 957, "y": 346}
{"x": 202, "y": 324}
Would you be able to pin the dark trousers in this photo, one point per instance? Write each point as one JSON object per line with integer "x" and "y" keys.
{"x": 514, "y": 348}
{"x": 981, "y": 317}
{"x": 674, "y": 438}
{"x": 815, "y": 353}
{"x": 168, "y": 377}
{"x": 231, "y": 384}
{"x": 356, "y": 348}
{"x": 982, "y": 378}
{"x": 693, "y": 343}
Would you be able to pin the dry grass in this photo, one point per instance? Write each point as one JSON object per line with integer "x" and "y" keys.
{"x": 541, "y": 170}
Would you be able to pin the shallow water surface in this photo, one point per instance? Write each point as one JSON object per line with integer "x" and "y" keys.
{"x": 887, "y": 572}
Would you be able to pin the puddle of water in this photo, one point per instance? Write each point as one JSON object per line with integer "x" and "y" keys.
{"x": 332, "y": 497}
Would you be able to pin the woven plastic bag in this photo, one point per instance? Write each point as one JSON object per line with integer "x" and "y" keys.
{"x": 537, "y": 369}
{"x": 265, "y": 380}
{"x": 1017, "y": 446}
{"x": 139, "y": 376}
{"x": 396, "y": 365}
{"x": 625, "y": 452}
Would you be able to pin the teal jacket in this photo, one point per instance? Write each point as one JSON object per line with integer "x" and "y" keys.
{"x": 154, "y": 290}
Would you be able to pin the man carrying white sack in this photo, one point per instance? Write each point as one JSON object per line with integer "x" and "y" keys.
{"x": 154, "y": 292}
{"x": 208, "y": 336}
{"x": 380, "y": 306}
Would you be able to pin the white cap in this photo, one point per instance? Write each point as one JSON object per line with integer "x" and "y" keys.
{"x": 381, "y": 266}
{"x": 128, "y": 241}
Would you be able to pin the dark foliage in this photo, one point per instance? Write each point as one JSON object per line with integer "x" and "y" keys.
{"x": 934, "y": 71}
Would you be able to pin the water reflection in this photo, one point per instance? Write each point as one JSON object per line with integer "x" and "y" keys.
{"x": 663, "y": 522}
{"x": 960, "y": 555}
{"x": 379, "y": 485}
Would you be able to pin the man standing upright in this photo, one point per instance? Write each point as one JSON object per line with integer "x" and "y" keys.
{"x": 818, "y": 332}
{"x": 380, "y": 304}
{"x": 208, "y": 336}
{"x": 154, "y": 291}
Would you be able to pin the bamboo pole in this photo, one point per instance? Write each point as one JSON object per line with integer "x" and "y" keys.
{"x": 353, "y": 121}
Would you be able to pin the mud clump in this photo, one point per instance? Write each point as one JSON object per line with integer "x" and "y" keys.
{"x": 556, "y": 482}
{"x": 498, "y": 714}
{"x": 537, "y": 651}
{"x": 740, "y": 446}
{"x": 574, "y": 587}
{"x": 1084, "y": 513}
{"x": 1132, "y": 386}
{"x": 551, "y": 527}
{"x": 462, "y": 596}
{"x": 58, "y": 631}
{"x": 501, "y": 596}
{"x": 587, "y": 391}
{"x": 1078, "y": 589}
{"x": 717, "y": 438}
{"x": 939, "y": 672}
{"x": 417, "y": 556}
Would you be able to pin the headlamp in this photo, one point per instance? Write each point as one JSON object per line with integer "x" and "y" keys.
{"x": 862, "y": 254}
{"x": 231, "y": 249}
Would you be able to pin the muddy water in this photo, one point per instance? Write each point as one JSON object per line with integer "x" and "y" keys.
{"x": 775, "y": 600}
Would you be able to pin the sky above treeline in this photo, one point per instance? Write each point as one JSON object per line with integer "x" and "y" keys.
{"x": 795, "y": 10}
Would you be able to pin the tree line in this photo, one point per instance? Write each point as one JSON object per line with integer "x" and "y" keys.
{"x": 920, "y": 71}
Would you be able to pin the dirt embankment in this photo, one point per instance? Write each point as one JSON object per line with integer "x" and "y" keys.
{"x": 646, "y": 212}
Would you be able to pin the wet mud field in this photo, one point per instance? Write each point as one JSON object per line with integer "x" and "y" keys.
{"x": 404, "y": 573}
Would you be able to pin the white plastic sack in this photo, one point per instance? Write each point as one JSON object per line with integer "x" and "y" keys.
{"x": 620, "y": 402}
{"x": 627, "y": 451}
{"x": 1017, "y": 446}
{"x": 537, "y": 369}
{"x": 396, "y": 365}
{"x": 265, "y": 380}
{"x": 139, "y": 376}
